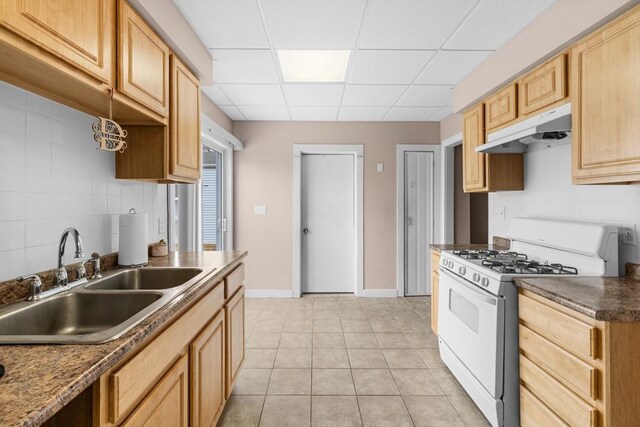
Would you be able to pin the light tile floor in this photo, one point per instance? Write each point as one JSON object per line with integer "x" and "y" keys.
{"x": 343, "y": 361}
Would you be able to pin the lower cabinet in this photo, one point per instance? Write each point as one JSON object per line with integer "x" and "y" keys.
{"x": 167, "y": 405}
{"x": 184, "y": 375}
{"x": 207, "y": 387}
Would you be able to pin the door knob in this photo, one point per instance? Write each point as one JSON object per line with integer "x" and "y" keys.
{"x": 305, "y": 230}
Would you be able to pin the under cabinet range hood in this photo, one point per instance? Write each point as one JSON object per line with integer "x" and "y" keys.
{"x": 550, "y": 126}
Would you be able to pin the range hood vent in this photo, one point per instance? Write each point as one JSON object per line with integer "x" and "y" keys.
{"x": 550, "y": 126}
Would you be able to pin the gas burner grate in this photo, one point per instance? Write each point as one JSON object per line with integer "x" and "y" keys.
{"x": 483, "y": 254}
{"x": 524, "y": 266}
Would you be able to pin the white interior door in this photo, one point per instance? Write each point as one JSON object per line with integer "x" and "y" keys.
{"x": 328, "y": 223}
{"x": 418, "y": 221}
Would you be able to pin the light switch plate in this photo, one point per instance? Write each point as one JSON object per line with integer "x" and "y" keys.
{"x": 260, "y": 210}
{"x": 380, "y": 167}
{"x": 160, "y": 225}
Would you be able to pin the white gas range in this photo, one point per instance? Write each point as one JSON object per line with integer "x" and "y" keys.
{"x": 478, "y": 302}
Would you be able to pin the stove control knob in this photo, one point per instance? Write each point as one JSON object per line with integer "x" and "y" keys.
{"x": 476, "y": 277}
{"x": 462, "y": 271}
{"x": 484, "y": 282}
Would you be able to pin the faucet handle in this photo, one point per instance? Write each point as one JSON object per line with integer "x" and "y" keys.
{"x": 36, "y": 286}
{"x": 95, "y": 261}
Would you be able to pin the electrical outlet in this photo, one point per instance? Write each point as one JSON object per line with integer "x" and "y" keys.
{"x": 260, "y": 210}
{"x": 502, "y": 213}
{"x": 161, "y": 225}
{"x": 629, "y": 236}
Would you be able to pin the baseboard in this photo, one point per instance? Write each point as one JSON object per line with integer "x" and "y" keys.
{"x": 380, "y": 293}
{"x": 268, "y": 293}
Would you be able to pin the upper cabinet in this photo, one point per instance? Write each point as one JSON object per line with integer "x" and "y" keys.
{"x": 605, "y": 86}
{"x": 53, "y": 26}
{"x": 143, "y": 62}
{"x": 544, "y": 86}
{"x": 502, "y": 107}
{"x": 184, "y": 141}
{"x": 487, "y": 172}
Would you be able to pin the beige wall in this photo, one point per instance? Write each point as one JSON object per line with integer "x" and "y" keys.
{"x": 450, "y": 125}
{"x": 263, "y": 176}
{"x": 561, "y": 24}
{"x": 211, "y": 110}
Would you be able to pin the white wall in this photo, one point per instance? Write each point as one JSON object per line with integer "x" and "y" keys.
{"x": 51, "y": 177}
{"x": 549, "y": 193}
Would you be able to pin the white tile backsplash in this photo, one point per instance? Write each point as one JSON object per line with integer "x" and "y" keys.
{"x": 53, "y": 177}
{"x": 549, "y": 193}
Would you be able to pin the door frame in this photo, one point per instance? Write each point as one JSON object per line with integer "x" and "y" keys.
{"x": 357, "y": 151}
{"x": 448, "y": 197}
{"x": 436, "y": 203}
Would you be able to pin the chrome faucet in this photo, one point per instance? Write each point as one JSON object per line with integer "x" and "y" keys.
{"x": 61, "y": 275}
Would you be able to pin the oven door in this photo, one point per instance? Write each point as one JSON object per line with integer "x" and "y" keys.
{"x": 471, "y": 324}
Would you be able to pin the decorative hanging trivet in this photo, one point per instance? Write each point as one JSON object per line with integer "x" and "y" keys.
{"x": 108, "y": 134}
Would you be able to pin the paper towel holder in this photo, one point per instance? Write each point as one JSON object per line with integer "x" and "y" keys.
{"x": 132, "y": 211}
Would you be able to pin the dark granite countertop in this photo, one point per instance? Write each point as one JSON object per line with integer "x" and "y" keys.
{"x": 41, "y": 379}
{"x": 615, "y": 299}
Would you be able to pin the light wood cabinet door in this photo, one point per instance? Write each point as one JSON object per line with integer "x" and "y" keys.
{"x": 474, "y": 172}
{"x": 544, "y": 86}
{"x": 502, "y": 107}
{"x": 79, "y": 32}
{"x": 167, "y": 405}
{"x": 143, "y": 62}
{"x": 235, "y": 338}
{"x": 184, "y": 142}
{"x": 206, "y": 355}
{"x": 605, "y": 105}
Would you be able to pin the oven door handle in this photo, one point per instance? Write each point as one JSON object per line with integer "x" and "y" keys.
{"x": 477, "y": 294}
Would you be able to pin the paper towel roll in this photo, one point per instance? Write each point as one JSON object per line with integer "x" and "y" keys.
{"x": 133, "y": 247}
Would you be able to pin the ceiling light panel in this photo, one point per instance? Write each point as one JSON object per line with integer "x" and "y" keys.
{"x": 411, "y": 24}
{"x": 226, "y": 23}
{"x": 313, "y": 94}
{"x": 244, "y": 66}
{"x": 387, "y": 66}
{"x": 314, "y": 113}
{"x": 268, "y": 95}
{"x": 449, "y": 67}
{"x": 494, "y": 22}
{"x": 318, "y": 66}
{"x": 362, "y": 114}
{"x": 426, "y": 96}
{"x": 265, "y": 113}
{"x": 313, "y": 24}
{"x": 372, "y": 95}
{"x": 410, "y": 114}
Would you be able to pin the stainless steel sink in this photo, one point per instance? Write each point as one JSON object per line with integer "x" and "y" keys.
{"x": 100, "y": 311}
{"x": 145, "y": 279}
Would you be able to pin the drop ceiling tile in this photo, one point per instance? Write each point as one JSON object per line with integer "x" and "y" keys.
{"x": 321, "y": 113}
{"x": 226, "y": 24}
{"x": 362, "y": 114}
{"x": 216, "y": 95}
{"x": 372, "y": 95}
{"x": 387, "y": 66}
{"x": 313, "y": 94}
{"x": 232, "y": 112}
{"x": 426, "y": 96}
{"x": 265, "y": 95}
{"x": 244, "y": 66}
{"x": 252, "y": 112}
{"x": 310, "y": 24}
{"x": 446, "y": 111}
{"x": 410, "y": 114}
{"x": 494, "y": 22}
{"x": 449, "y": 67}
{"x": 411, "y": 24}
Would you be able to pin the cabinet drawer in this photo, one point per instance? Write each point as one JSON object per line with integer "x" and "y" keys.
{"x": 133, "y": 380}
{"x": 534, "y": 413}
{"x": 501, "y": 107}
{"x": 567, "y": 331}
{"x": 573, "y": 410}
{"x": 564, "y": 366}
{"x": 233, "y": 281}
{"x": 543, "y": 86}
{"x": 435, "y": 261}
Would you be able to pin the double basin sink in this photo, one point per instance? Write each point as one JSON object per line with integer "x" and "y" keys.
{"x": 99, "y": 311}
